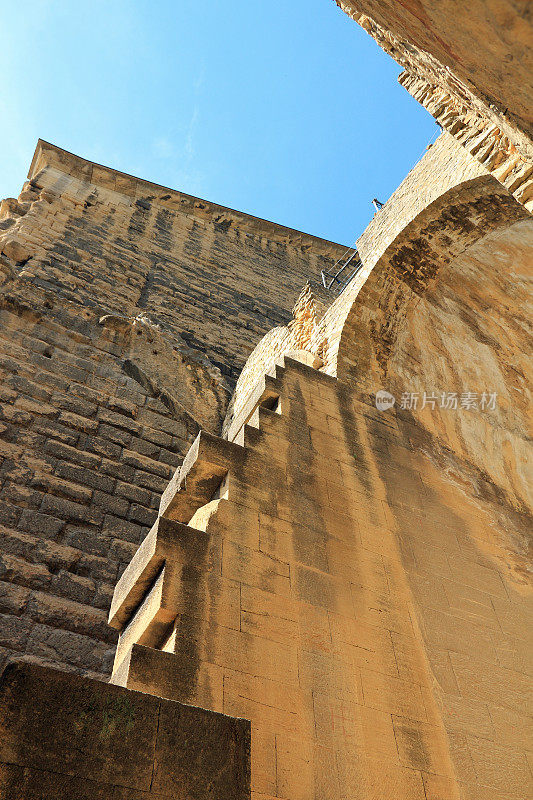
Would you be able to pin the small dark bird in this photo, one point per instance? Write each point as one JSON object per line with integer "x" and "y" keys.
{"x": 377, "y": 204}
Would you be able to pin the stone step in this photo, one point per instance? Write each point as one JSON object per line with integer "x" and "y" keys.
{"x": 196, "y": 481}
{"x": 266, "y": 392}
{"x": 149, "y": 623}
{"x": 170, "y": 546}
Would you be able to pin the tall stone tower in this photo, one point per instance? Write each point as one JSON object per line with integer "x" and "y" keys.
{"x": 128, "y": 311}
{"x": 311, "y": 528}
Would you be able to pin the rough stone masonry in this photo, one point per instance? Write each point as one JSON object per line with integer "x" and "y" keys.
{"x": 127, "y": 311}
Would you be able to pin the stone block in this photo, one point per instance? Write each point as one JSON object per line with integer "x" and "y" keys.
{"x": 147, "y": 464}
{"x": 420, "y": 746}
{"x": 267, "y": 704}
{"x": 73, "y": 651}
{"x": 85, "y": 477}
{"x": 343, "y": 723}
{"x": 111, "y": 503}
{"x": 306, "y": 769}
{"x": 13, "y": 599}
{"x": 160, "y": 673}
{"x": 101, "y": 446}
{"x": 14, "y": 632}
{"x": 61, "y": 735}
{"x": 66, "y": 614}
{"x": 70, "y": 511}
{"x": 147, "y": 480}
{"x": 195, "y": 482}
{"x": 142, "y": 515}
{"x": 169, "y": 545}
{"x": 114, "y": 435}
{"x": 393, "y": 695}
{"x": 484, "y": 681}
{"x": 20, "y": 571}
{"x": 134, "y": 493}
{"x": 122, "y": 528}
{"x": 201, "y": 754}
{"x": 255, "y": 568}
{"x": 323, "y": 590}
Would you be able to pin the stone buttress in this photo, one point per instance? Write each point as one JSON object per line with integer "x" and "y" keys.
{"x": 271, "y": 587}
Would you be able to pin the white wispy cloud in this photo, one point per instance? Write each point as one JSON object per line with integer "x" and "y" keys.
{"x": 162, "y": 147}
{"x": 191, "y": 133}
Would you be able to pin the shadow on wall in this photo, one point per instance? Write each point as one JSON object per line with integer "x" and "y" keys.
{"x": 442, "y": 312}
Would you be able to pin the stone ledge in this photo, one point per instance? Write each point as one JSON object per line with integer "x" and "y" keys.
{"x": 169, "y": 545}
{"x": 49, "y": 156}
{"x": 97, "y": 739}
{"x": 196, "y": 481}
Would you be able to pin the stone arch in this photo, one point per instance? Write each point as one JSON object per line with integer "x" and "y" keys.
{"x": 369, "y": 314}
{"x": 445, "y": 310}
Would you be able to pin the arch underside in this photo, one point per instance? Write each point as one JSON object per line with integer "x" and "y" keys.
{"x": 445, "y": 310}
{"x": 426, "y": 253}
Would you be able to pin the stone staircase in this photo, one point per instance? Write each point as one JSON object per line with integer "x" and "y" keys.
{"x": 176, "y": 557}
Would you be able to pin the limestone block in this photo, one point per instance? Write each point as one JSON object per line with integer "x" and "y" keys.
{"x": 65, "y": 736}
{"x": 16, "y": 251}
{"x": 168, "y": 546}
{"x": 195, "y": 482}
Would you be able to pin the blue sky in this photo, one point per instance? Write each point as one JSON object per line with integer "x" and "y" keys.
{"x": 285, "y": 109}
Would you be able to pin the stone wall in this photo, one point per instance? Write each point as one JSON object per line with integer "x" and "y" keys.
{"x": 438, "y": 317}
{"x": 444, "y": 166}
{"x": 63, "y": 737}
{"x": 481, "y": 138}
{"x": 473, "y": 76}
{"x": 427, "y": 192}
{"x": 483, "y": 56}
{"x": 293, "y": 340}
{"x": 213, "y": 278}
{"x": 86, "y": 452}
{"x": 126, "y": 313}
{"x": 331, "y": 578}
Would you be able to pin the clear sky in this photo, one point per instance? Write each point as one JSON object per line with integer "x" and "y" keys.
{"x": 285, "y": 109}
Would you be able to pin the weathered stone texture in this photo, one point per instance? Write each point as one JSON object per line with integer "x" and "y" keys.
{"x": 65, "y": 737}
{"x": 483, "y": 140}
{"x": 340, "y": 592}
{"x": 472, "y": 71}
{"x": 444, "y": 166}
{"x": 355, "y": 583}
{"x": 481, "y": 55}
{"x": 212, "y": 277}
{"x": 442, "y": 495}
{"x": 126, "y": 312}
{"x": 86, "y": 452}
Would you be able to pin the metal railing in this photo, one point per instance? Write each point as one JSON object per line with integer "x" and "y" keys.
{"x": 337, "y": 281}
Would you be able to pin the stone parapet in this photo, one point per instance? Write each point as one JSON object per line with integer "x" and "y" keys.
{"x": 62, "y": 736}
{"x": 339, "y": 590}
